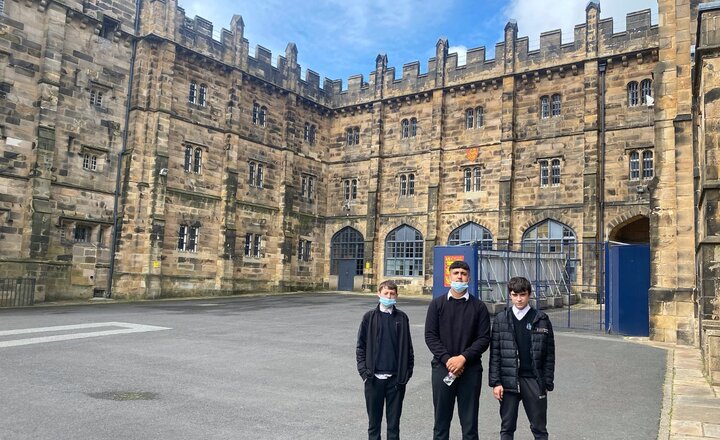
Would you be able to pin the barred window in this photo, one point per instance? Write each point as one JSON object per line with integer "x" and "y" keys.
{"x": 255, "y": 174}
{"x": 476, "y": 179}
{"x": 550, "y": 236}
{"x": 471, "y": 179}
{"x": 259, "y": 115}
{"x": 193, "y": 159}
{"x": 544, "y": 107}
{"x": 307, "y": 187}
{"x": 252, "y": 245}
{"x": 479, "y": 117}
{"x": 632, "y": 91}
{"x": 555, "y": 172}
{"x": 350, "y": 189}
{"x": 82, "y": 234}
{"x": 405, "y": 129}
{"x": 404, "y": 252}
{"x": 202, "y": 97}
{"x": 648, "y": 170}
{"x": 303, "y": 251}
{"x": 469, "y": 118}
{"x": 352, "y": 136}
{"x": 544, "y": 173}
{"x": 192, "y": 94}
{"x": 188, "y": 237}
{"x": 413, "y": 127}
{"x": 309, "y": 134}
{"x": 556, "y": 105}
{"x": 467, "y": 179}
{"x": 407, "y": 185}
{"x": 634, "y": 165}
{"x": 645, "y": 90}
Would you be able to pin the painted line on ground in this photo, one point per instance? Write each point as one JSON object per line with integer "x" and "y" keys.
{"x": 125, "y": 328}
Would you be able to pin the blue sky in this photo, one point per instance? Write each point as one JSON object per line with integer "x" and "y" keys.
{"x": 340, "y": 38}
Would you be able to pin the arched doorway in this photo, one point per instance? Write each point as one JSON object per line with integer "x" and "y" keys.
{"x": 347, "y": 253}
{"x": 634, "y": 230}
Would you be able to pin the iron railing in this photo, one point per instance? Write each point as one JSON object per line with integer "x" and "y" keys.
{"x": 17, "y": 292}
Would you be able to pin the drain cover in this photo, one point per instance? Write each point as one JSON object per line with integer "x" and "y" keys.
{"x": 124, "y": 395}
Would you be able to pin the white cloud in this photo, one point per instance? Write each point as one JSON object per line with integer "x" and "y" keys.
{"x": 537, "y": 16}
{"x": 461, "y": 52}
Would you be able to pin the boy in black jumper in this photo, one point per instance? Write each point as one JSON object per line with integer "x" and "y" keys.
{"x": 385, "y": 361}
{"x": 457, "y": 332}
{"x": 522, "y": 362}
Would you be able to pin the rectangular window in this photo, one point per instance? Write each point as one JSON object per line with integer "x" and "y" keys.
{"x": 307, "y": 188}
{"x": 544, "y": 107}
{"x": 556, "y": 105}
{"x": 252, "y": 245}
{"x": 411, "y": 184}
{"x": 467, "y": 180}
{"x": 192, "y": 93}
{"x": 82, "y": 234}
{"x": 96, "y": 97}
{"x": 188, "y": 238}
{"x": 544, "y": 173}
{"x": 303, "y": 251}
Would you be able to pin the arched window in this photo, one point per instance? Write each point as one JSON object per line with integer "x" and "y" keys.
{"x": 645, "y": 90}
{"x": 188, "y": 159}
{"x": 403, "y": 185}
{"x": 635, "y": 165}
{"x": 413, "y": 127}
{"x": 347, "y": 244}
{"x": 192, "y": 94}
{"x": 479, "y": 117}
{"x": 544, "y": 107}
{"x": 198, "y": 161}
{"x": 404, "y": 252}
{"x": 555, "y": 164}
{"x": 556, "y": 105}
{"x": 202, "y": 97}
{"x": 550, "y": 236}
{"x": 648, "y": 170}
{"x": 256, "y": 113}
{"x": 411, "y": 185}
{"x": 469, "y": 233}
{"x": 469, "y": 118}
{"x": 632, "y": 91}
{"x": 405, "y": 124}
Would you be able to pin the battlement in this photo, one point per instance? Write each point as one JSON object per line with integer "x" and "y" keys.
{"x": 593, "y": 39}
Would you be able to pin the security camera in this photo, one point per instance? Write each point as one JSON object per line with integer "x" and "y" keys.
{"x": 163, "y": 171}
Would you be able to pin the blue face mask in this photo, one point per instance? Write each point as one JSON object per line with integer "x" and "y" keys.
{"x": 387, "y": 302}
{"x": 459, "y": 286}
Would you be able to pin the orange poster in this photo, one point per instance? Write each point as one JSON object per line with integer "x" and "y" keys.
{"x": 449, "y": 259}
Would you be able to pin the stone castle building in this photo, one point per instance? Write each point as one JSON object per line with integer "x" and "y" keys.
{"x": 219, "y": 171}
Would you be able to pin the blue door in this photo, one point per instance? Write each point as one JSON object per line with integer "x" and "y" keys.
{"x": 346, "y": 274}
{"x": 627, "y": 281}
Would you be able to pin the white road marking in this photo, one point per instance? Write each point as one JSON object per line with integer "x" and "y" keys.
{"x": 125, "y": 328}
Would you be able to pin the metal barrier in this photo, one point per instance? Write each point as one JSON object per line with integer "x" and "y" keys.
{"x": 566, "y": 276}
{"x": 17, "y": 292}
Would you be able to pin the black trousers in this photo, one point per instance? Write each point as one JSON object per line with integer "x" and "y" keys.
{"x": 534, "y": 401}
{"x": 466, "y": 390}
{"x": 379, "y": 392}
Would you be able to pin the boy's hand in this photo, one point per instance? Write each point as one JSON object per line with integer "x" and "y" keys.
{"x": 498, "y": 392}
{"x": 456, "y": 364}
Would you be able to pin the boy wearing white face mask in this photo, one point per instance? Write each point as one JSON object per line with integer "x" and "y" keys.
{"x": 457, "y": 332}
{"x": 385, "y": 361}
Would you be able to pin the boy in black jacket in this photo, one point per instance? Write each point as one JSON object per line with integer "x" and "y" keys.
{"x": 522, "y": 361}
{"x": 385, "y": 361}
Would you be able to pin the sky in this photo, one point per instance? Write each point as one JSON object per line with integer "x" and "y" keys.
{"x": 341, "y": 38}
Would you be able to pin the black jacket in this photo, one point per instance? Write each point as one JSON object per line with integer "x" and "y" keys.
{"x": 504, "y": 359}
{"x": 369, "y": 338}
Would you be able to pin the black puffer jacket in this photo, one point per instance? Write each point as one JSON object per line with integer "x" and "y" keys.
{"x": 504, "y": 359}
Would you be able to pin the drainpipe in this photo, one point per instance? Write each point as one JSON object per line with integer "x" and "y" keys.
{"x": 116, "y": 196}
{"x": 602, "y": 66}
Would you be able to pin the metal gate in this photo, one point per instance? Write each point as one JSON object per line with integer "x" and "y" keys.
{"x": 17, "y": 292}
{"x": 567, "y": 280}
